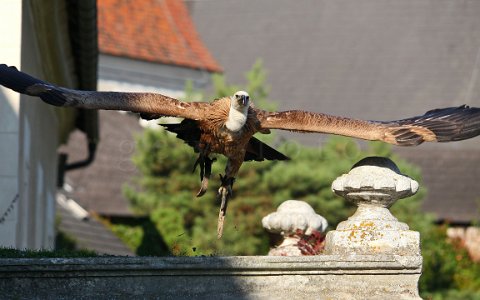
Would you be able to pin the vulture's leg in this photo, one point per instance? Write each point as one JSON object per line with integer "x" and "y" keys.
{"x": 205, "y": 164}
{"x": 205, "y": 173}
{"x": 224, "y": 193}
{"x": 226, "y": 189}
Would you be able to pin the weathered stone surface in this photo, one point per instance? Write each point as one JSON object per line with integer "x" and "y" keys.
{"x": 371, "y": 230}
{"x": 262, "y": 277}
{"x": 288, "y": 247}
{"x": 373, "y": 184}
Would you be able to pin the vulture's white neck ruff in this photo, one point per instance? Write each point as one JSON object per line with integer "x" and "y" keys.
{"x": 236, "y": 118}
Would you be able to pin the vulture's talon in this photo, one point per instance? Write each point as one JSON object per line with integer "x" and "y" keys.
{"x": 197, "y": 162}
{"x": 205, "y": 164}
{"x": 203, "y": 187}
{"x": 225, "y": 192}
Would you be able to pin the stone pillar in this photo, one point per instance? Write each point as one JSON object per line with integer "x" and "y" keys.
{"x": 373, "y": 184}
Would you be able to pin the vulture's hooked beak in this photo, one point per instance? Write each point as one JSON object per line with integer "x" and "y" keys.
{"x": 241, "y": 99}
{"x": 244, "y": 100}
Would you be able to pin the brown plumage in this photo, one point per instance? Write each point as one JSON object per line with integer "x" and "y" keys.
{"x": 227, "y": 125}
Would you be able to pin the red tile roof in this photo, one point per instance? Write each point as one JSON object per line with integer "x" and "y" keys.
{"x": 153, "y": 30}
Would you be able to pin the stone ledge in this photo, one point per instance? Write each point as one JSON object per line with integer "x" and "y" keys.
{"x": 254, "y": 277}
{"x": 245, "y": 264}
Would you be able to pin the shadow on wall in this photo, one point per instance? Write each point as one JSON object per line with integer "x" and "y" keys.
{"x": 8, "y": 117}
{"x": 142, "y": 228}
{"x": 8, "y": 168}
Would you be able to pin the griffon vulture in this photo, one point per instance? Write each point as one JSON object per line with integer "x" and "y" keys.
{"x": 227, "y": 125}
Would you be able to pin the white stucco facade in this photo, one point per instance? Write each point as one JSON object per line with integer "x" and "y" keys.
{"x": 28, "y": 142}
{"x": 10, "y": 44}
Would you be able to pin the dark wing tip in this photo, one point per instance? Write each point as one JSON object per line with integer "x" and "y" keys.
{"x": 18, "y": 81}
{"x": 23, "y": 83}
{"x": 453, "y": 123}
{"x": 441, "y": 125}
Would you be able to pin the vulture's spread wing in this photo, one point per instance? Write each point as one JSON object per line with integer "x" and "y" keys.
{"x": 438, "y": 125}
{"x": 149, "y": 104}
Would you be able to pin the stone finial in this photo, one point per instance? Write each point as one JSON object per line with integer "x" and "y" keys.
{"x": 373, "y": 184}
{"x": 290, "y": 216}
{"x": 375, "y": 181}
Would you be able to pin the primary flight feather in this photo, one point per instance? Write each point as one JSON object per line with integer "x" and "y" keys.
{"x": 226, "y": 126}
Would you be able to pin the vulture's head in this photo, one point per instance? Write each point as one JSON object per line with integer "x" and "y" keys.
{"x": 240, "y": 100}
{"x": 237, "y": 115}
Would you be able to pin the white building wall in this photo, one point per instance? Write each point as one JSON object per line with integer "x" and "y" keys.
{"x": 121, "y": 74}
{"x": 28, "y": 141}
{"x": 130, "y": 75}
{"x": 10, "y": 46}
{"x": 39, "y": 138}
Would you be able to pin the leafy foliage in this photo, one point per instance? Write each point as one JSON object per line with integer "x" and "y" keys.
{"x": 140, "y": 234}
{"x": 448, "y": 272}
{"x": 188, "y": 224}
{"x": 312, "y": 244}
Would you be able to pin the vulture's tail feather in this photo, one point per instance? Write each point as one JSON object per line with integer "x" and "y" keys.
{"x": 187, "y": 131}
{"x": 259, "y": 151}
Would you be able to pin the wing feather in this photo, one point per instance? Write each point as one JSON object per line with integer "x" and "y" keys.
{"x": 438, "y": 125}
{"x": 304, "y": 121}
{"x": 259, "y": 151}
{"x": 146, "y": 103}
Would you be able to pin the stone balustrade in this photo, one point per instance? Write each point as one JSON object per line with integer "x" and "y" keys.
{"x": 369, "y": 256}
